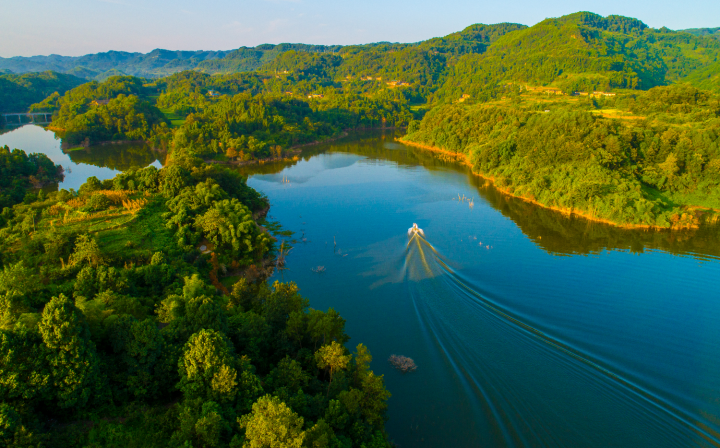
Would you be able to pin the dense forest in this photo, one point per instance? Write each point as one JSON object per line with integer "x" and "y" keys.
{"x": 21, "y": 174}
{"x": 116, "y": 109}
{"x": 157, "y": 63}
{"x": 650, "y": 158}
{"x": 18, "y": 92}
{"x": 134, "y": 312}
{"x": 250, "y": 114}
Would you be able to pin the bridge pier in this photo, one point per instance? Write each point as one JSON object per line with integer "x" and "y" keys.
{"x": 32, "y": 115}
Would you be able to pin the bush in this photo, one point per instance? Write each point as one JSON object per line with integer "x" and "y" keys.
{"x": 96, "y": 203}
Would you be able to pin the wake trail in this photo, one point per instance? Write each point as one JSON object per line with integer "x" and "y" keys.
{"x": 451, "y": 310}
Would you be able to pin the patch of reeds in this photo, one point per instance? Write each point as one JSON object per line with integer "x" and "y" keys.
{"x": 56, "y": 209}
{"x": 115, "y": 196}
{"x": 76, "y": 202}
{"x": 280, "y": 261}
{"x": 134, "y": 205}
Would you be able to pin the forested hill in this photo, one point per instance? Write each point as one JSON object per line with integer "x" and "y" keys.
{"x": 18, "y": 92}
{"x": 713, "y": 32}
{"x": 583, "y": 51}
{"x": 577, "y": 51}
{"x": 157, "y": 63}
{"x": 90, "y": 66}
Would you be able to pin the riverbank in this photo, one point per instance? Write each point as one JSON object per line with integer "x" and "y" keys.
{"x": 293, "y": 151}
{"x": 463, "y": 159}
{"x": 66, "y": 146}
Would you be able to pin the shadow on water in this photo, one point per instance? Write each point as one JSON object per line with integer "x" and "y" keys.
{"x": 554, "y": 232}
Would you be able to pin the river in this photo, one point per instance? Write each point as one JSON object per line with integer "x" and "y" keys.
{"x": 528, "y": 327}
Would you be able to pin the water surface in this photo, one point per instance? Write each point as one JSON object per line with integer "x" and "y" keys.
{"x": 529, "y": 328}
{"x": 103, "y": 162}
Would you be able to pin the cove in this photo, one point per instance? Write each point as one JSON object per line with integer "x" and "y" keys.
{"x": 528, "y": 327}
{"x": 103, "y": 162}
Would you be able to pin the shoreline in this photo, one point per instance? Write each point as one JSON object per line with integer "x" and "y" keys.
{"x": 463, "y": 159}
{"x": 293, "y": 151}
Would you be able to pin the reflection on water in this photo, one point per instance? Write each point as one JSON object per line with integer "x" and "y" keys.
{"x": 529, "y": 328}
{"x": 554, "y": 232}
{"x": 103, "y": 162}
{"x": 116, "y": 157}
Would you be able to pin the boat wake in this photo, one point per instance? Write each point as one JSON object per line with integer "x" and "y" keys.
{"x": 488, "y": 349}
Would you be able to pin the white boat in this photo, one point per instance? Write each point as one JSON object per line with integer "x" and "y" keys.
{"x": 414, "y": 230}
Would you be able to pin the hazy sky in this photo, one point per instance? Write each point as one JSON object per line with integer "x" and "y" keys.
{"x": 76, "y": 27}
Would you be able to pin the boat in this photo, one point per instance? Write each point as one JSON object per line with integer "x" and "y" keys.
{"x": 415, "y": 230}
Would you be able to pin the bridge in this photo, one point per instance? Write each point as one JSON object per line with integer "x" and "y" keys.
{"x": 46, "y": 117}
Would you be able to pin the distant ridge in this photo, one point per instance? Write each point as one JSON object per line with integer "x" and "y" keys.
{"x": 157, "y": 63}
{"x": 704, "y": 32}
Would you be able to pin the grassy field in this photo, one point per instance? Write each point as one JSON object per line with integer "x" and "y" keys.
{"x": 175, "y": 120}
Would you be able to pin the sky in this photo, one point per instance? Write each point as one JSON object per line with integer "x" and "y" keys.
{"x": 77, "y": 27}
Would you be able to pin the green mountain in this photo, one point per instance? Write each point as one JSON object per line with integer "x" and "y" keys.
{"x": 155, "y": 64}
{"x": 578, "y": 51}
{"x": 582, "y": 51}
{"x": 246, "y": 59}
{"x": 704, "y": 32}
{"x": 18, "y": 92}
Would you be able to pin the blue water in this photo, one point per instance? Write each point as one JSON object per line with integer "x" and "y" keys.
{"x": 528, "y": 328}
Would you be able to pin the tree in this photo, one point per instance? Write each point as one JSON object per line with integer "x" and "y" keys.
{"x": 71, "y": 358}
{"x": 87, "y": 251}
{"x": 229, "y": 224}
{"x": 670, "y": 165}
{"x": 140, "y": 346}
{"x": 207, "y": 368}
{"x": 362, "y": 359}
{"x": 201, "y": 425}
{"x": 231, "y": 153}
{"x": 289, "y": 374}
{"x": 12, "y": 432}
{"x": 333, "y": 358}
{"x": 91, "y": 184}
{"x": 326, "y": 326}
{"x": 24, "y": 374}
{"x": 172, "y": 179}
{"x": 272, "y": 424}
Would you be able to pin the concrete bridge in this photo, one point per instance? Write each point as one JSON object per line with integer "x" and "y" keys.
{"x": 17, "y": 118}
